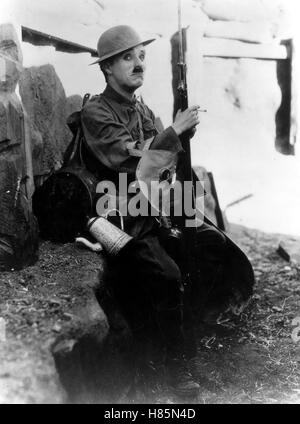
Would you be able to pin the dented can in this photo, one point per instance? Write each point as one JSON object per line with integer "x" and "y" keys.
{"x": 112, "y": 238}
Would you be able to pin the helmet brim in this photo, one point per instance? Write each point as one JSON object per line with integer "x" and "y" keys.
{"x": 107, "y": 56}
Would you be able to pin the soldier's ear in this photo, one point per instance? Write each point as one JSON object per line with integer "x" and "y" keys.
{"x": 107, "y": 68}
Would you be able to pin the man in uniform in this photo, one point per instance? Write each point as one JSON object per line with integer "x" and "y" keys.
{"x": 118, "y": 129}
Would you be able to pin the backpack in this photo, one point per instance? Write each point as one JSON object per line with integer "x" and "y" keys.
{"x": 63, "y": 203}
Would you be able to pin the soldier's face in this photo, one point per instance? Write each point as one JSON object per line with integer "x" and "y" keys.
{"x": 128, "y": 69}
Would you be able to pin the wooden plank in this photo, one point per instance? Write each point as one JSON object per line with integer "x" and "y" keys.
{"x": 218, "y": 210}
{"x": 38, "y": 38}
{"x": 217, "y": 47}
{"x": 283, "y": 118}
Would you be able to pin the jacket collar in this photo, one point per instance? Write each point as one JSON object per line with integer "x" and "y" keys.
{"x": 112, "y": 94}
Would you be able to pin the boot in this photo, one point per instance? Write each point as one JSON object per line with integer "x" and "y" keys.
{"x": 180, "y": 379}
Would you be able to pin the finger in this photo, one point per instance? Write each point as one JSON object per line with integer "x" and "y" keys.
{"x": 192, "y": 115}
{"x": 195, "y": 120}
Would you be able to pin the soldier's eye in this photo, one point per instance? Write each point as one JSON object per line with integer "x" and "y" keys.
{"x": 142, "y": 57}
{"x": 127, "y": 56}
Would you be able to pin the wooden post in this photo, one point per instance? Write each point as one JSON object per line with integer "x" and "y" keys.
{"x": 18, "y": 226}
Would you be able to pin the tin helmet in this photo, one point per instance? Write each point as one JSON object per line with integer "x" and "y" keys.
{"x": 118, "y": 39}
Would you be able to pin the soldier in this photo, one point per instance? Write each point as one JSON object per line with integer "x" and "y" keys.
{"x": 118, "y": 128}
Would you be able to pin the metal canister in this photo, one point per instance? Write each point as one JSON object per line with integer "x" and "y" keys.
{"x": 112, "y": 238}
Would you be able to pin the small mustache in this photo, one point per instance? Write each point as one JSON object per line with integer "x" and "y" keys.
{"x": 138, "y": 70}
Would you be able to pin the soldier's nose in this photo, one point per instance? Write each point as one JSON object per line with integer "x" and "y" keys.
{"x": 138, "y": 63}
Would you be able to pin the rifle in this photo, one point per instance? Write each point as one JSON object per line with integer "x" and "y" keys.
{"x": 185, "y": 174}
{"x": 185, "y": 170}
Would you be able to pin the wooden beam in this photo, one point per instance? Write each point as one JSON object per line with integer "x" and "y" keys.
{"x": 285, "y": 117}
{"x": 38, "y": 38}
{"x": 216, "y": 47}
{"x": 218, "y": 210}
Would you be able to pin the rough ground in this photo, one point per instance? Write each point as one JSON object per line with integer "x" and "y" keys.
{"x": 251, "y": 359}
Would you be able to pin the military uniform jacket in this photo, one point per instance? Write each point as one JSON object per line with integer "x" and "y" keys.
{"x": 117, "y": 131}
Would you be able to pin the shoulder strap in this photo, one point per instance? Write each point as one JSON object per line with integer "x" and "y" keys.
{"x": 75, "y": 156}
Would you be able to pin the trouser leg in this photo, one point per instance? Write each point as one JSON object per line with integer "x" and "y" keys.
{"x": 157, "y": 277}
{"x": 151, "y": 278}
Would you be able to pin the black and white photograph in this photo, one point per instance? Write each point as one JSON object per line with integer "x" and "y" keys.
{"x": 149, "y": 204}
